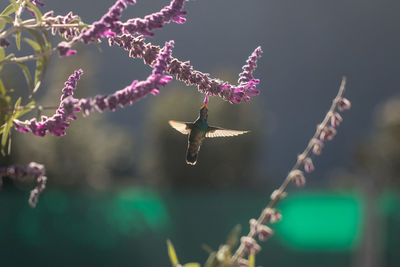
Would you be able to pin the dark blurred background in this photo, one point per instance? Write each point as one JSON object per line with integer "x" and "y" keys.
{"x": 118, "y": 183}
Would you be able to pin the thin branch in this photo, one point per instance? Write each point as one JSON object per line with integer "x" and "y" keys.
{"x": 300, "y": 161}
{"x": 32, "y": 24}
{"x": 28, "y": 58}
{"x": 31, "y": 107}
{"x": 18, "y": 13}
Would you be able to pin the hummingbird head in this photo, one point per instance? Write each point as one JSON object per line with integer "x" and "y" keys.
{"x": 204, "y": 112}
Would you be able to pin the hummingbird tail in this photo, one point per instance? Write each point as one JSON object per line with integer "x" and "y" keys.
{"x": 191, "y": 158}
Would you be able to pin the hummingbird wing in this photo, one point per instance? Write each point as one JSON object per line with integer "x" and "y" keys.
{"x": 221, "y": 132}
{"x": 180, "y": 126}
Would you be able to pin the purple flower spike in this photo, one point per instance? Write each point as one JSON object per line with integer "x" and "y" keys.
{"x": 184, "y": 72}
{"x": 133, "y": 92}
{"x": 144, "y": 26}
{"x": 56, "y": 124}
{"x": 163, "y": 59}
{"x": 251, "y": 65}
{"x": 109, "y": 24}
{"x": 64, "y": 49}
{"x": 31, "y": 171}
{"x": 70, "y": 84}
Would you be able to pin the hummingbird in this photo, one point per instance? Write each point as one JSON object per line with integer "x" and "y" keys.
{"x": 197, "y": 131}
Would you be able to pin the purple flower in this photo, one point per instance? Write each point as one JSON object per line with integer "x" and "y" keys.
{"x": 4, "y": 43}
{"x": 109, "y": 24}
{"x": 278, "y": 194}
{"x": 250, "y": 67}
{"x": 133, "y": 92}
{"x": 336, "y": 119}
{"x": 344, "y": 104}
{"x": 184, "y": 72}
{"x": 261, "y": 230}
{"x": 56, "y": 124}
{"x": 66, "y": 32}
{"x": 271, "y": 215}
{"x": 317, "y": 146}
{"x": 298, "y": 177}
{"x": 327, "y": 133}
{"x": 31, "y": 171}
{"x": 64, "y": 49}
{"x": 156, "y": 20}
{"x": 250, "y": 244}
{"x": 308, "y": 165}
{"x": 37, "y": 3}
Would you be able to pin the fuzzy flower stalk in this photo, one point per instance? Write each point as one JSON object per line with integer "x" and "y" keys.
{"x": 57, "y": 123}
{"x": 110, "y": 24}
{"x": 135, "y": 91}
{"x": 33, "y": 171}
{"x": 183, "y": 71}
{"x": 326, "y": 130}
{"x": 69, "y": 106}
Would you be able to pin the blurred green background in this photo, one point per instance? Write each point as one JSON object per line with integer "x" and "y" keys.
{"x": 118, "y": 184}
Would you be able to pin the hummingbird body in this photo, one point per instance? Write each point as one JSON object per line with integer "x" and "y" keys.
{"x": 196, "y": 137}
{"x": 197, "y": 131}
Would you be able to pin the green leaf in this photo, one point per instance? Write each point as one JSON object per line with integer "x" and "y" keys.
{"x": 4, "y": 20}
{"x": 207, "y": 248}
{"x": 3, "y": 90}
{"x": 172, "y": 254}
{"x": 47, "y": 39}
{"x": 7, "y": 127}
{"x": 17, "y": 103}
{"x": 35, "y": 10}
{"x": 41, "y": 66}
{"x": 2, "y": 127}
{"x": 27, "y": 74}
{"x": 14, "y": 3}
{"x": 19, "y": 112}
{"x": 212, "y": 260}
{"x": 11, "y": 55}
{"x": 5, "y": 136}
{"x": 192, "y": 264}
{"x": 233, "y": 237}
{"x": 38, "y": 37}
{"x": 42, "y": 44}
{"x": 2, "y": 54}
{"x": 35, "y": 45}
{"x": 252, "y": 260}
{"x": 8, "y": 10}
{"x": 18, "y": 40}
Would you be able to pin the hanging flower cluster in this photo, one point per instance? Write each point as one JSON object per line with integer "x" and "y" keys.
{"x": 33, "y": 171}
{"x": 110, "y": 25}
{"x": 57, "y": 123}
{"x": 184, "y": 72}
{"x": 69, "y": 106}
{"x": 137, "y": 90}
{"x": 122, "y": 34}
{"x": 129, "y": 35}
